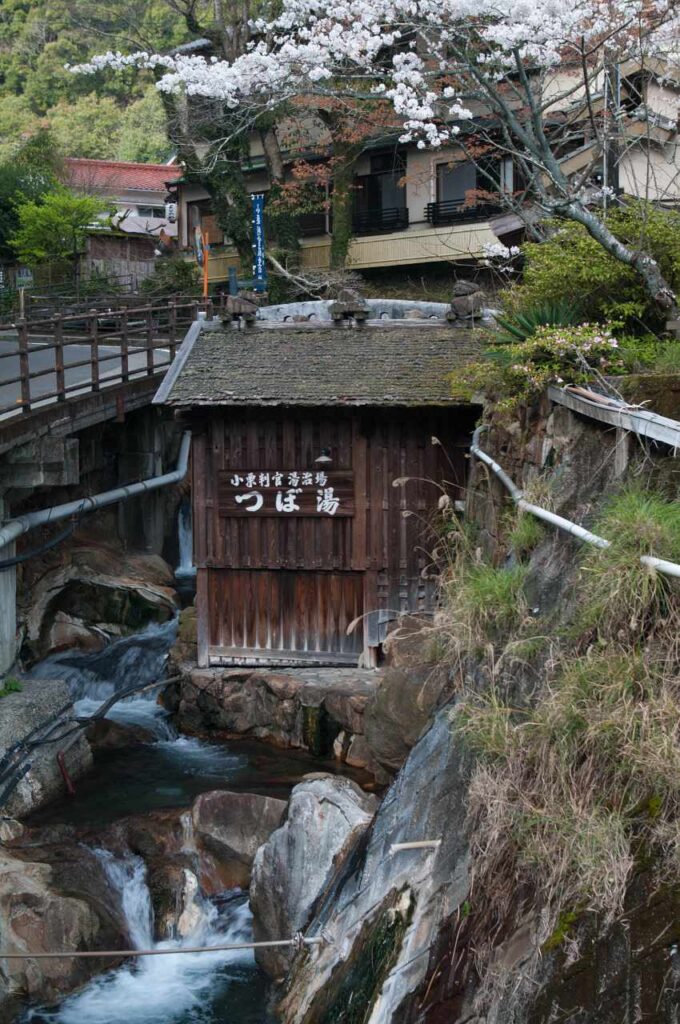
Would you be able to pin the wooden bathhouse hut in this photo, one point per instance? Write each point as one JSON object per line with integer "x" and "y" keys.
{"x": 320, "y": 454}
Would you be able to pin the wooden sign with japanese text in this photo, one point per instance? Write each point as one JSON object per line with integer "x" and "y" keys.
{"x": 286, "y": 493}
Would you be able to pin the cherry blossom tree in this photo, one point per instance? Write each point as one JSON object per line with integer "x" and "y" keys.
{"x": 531, "y": 80}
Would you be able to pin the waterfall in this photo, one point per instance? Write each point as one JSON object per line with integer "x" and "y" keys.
{"x": 189, "y": 987}
{"x": 131, "y": 661}
{"x": 128, "y": 878}
{"x": 185, "y": 539}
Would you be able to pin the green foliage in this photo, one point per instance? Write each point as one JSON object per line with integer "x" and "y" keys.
{"x": 88, "y": 127}
{"x": 621, "y": 597}
{"x": 563, "y": 929}
{"x": 668, "y": 358}
{"x": 359, "y": 979}
{"x": 143, "y": 136}
{"x": 10, "y": 685}
{"x": 518, "y": 373}
{"x": 39, "y": 37}
{"x": 526, "y": 534}
{"x": 53, "y": 229}
{"x": 173, "y": 275}
{"x": 572, "y": 788}
{"x": 523, "y": 323}
{"x": 574, "y": 266}
{"x": 28, "y": 176}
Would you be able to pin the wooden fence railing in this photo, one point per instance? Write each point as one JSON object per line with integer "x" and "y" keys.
{"x": 54, "y": 358}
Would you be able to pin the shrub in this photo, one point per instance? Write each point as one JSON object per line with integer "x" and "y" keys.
{"x": 526, "y": 534}
{"x": 569, "y": 791}
{"x": 172, "y": 275}
{"x": 480, "y": 603}
{"x": 668, "y": 358}
{"x": 523, "y": 323}
{"x": 518, "y": 373}
{"x": 574, "y": 266}
{"x": 10, "y": 685}
{"x": 622, "y": 598}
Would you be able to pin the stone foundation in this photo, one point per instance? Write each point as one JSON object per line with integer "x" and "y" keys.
{"x": 320, "y": 710}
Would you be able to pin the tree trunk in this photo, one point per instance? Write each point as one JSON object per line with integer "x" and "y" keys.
{"x": 650, "y": 273}
{"x": 345, "y": 156}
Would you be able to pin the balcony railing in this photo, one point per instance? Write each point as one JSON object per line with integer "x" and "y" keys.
{"x": 369, "y": 222}
{"x": 454, "y": 211}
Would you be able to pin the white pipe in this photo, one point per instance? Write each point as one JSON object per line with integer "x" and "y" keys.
{"x": 418, "y": 844}
{"x": 657, "y": 564}
{"x": 15, "y": 527}
{"x": 563, "y": 524}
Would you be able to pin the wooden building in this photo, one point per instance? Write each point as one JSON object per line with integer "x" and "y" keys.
{"x": 319, "y": 457}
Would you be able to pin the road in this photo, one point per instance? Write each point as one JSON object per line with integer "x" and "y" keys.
{"x": 42, "y": 359}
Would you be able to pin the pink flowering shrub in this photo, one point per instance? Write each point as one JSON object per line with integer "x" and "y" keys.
{"x": 514, "y": 374}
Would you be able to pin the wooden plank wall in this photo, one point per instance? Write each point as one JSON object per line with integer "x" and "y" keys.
{"x": 389, "y": 540}
{"x": 297, "y": 614}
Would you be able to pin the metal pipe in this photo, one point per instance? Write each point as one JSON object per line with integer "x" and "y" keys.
{"x": 298, "y": 941}
{"x": 654, "y": 563}
{"x": 417, "y": 844}
{"x": 16, "y": 527}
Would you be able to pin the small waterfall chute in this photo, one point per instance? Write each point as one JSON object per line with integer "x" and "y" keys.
{"x": 162, "y": 989}
{"x": 135, "y": 660}
{"x": 185, "y": 540}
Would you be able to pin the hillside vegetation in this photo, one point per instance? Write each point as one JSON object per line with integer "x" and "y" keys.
{"x": 107, "y": 116}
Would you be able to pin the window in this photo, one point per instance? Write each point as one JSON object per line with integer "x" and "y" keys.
{"x": 454, "y": 180}
{"x": 151, "y": 211}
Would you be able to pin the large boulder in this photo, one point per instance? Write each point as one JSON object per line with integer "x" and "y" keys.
{"x": 40, "y": 702}
{"x": 412, "y": 685}
{"x": 326, "y": 814}
{"x": 381, "y": 914}
{"x": 107, "y": 734}
{"x": 61, "y": 902}
{"x": 92, "y": 592}
{"x": 232, "y": 826}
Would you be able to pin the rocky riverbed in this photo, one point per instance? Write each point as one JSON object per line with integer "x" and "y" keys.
{"x": 156, "y": 849}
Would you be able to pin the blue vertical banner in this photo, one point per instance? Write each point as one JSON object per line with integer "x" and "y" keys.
{"x": 259, "y": 262}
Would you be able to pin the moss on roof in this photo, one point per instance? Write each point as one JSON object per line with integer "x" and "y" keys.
{"x": 401, "y": 364}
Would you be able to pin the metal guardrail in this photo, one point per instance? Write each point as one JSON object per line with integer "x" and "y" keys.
{"x": 455, "y": 211}
{"x": 393, "y": 218}
{"x": 121, "y": 345}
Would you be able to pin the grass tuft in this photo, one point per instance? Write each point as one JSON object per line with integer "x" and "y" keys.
{"x": 622, "y": 598}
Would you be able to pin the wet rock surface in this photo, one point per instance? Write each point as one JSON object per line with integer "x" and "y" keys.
{"x": 232, "y": 826}
{"x": 326, "y": 815}
{"x": 105, "y": 734}
{"x": 292, "y": 708}
{"x": 38, "y": 702}
{"x": 53, "y": 896}
{"x": 426, "y": 801}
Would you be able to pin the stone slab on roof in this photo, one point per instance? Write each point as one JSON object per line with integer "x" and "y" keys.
{"x": 404, "y": 364}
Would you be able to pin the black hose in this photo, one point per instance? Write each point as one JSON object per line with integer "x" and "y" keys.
{"x": 9, "y": 563}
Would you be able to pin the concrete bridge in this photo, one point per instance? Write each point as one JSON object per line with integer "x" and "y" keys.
{"x": 76, "y": 418}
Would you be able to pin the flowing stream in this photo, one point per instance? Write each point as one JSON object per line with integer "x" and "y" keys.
{"x": 188, "y": 988}
{"x": 167, "y": 770}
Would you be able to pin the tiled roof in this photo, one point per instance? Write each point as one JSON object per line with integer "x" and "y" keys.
{"x": 114, "y": 176}
{"x": 281, "y": 364}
